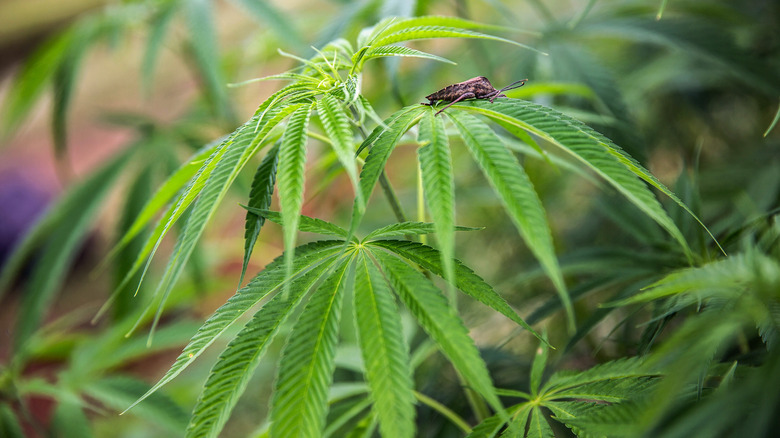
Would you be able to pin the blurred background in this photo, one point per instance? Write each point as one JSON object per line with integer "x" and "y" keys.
{"x": 688, "y": 88}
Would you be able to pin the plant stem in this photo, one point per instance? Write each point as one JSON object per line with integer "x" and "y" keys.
{"x": 395, "y": 203}
{"x": 440, "y": 408}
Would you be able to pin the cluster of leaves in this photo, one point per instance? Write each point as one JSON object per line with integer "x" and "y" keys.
{"x": 716, "y": 355}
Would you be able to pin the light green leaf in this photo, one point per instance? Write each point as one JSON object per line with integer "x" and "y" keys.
{"x": 383, "y": 51}
{"x": 385, "y": 353}
{"x": 433, "y": 312}
{"x": 537, "y": 368}
{"x": 292, "y": 165}
{"x": 538, "y": 427}
{"x": 306, "y": 223}
{"x": 165, "y": 192}
{"x": 337, "y": 127}
{"x": 272, "y": 17}
{"x": 118, "y": 391}
{"x": 439, "y": 186}
{"x": 516, "y": 192}
{"x": 65, "y": 77}
{"x": 382, "y": 142}
{"x": 57, "y": 236}
{"x": 203, "y": 39}
{"x": 230, "y": 375}
{"x": 592, "y": 149}
{"x": 33, "y": 78}
{"x": 9, "y": 424}
{"x": 466, "y": 280}
{"x": 159, "y": 25}
{"x": 238, "y": 149}
{"x": 409, "y": 228}
{"x": 300, "y": 399}
{"x": 260, "y": 196}
{"x": 428, "y": 32}
{"x": 270, "y": 279}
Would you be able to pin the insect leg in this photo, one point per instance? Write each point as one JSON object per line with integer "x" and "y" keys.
{"x": 463, "y": 96}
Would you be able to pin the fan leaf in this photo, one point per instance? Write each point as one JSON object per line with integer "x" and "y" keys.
{"x": 385, "y": 353}
{"x": 300, "y": 399}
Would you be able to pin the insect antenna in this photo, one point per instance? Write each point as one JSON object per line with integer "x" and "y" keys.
{"x": 513, "y": 85}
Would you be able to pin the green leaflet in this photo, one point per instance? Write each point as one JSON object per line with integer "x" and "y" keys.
{"x": 300, "y": 402}
{"x": 520, "y": 200}
{"x": 433, "y": 312}
{"x": 465, "y": 279}
{"x": 382, "y": 141}
{"x": 592, "y": 149}
{"x": 242, "y": 145}
{"x": 439, "y": 186}
{"x": 260, "y": 198}
{"x": 306, "y": 223}
{"x": 165, "y": 192}
{"x": 159, "y": 24}
{"x": 383, "y": 51}
{"x": 198, "y": 14}
{"x": 384, "y": 350}
{"x": 34, "y": 76}
{"x": 273, "y": 277}
{"x": 58, "y": 236}
{"x": 118, "y": 391}
{"x": 290, "y": 176}
{"x": 230, "y": 375}
{"x": 339, "y": 131}
{"x": 408, "y": 228}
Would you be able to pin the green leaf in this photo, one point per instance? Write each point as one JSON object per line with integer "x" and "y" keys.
{"x": 270, "y": 279}
{"x": 428, "y": 32}
{"x": 230, "y": 375}
{"x": 433, "y": 312}
{"x": 300, "y": 402}
{"x": 118, "y": 391}
{"x": 64, "y": 81}
{"x": 292, "y": 165}
{"x": 203, "y": 40}
{"x": 538, "y": 427}
{"x": 159, "y": 25}
{"x": 269, "y": 15}
{"x": 260, "y": 196}
{"x": 165, "y": 192}
{"x": 537, "y": 368}
{"x": 382, "y": 141}
{"x": 69, "y": 420}
{"x": 409, "y": 228}
{"x": 593, "y": 150}
{"x": 33, "y": 77}
{"x": 465, "y": 279}
{"x": 385, "y": 353}
{"x": 439, "y": 186}
{"x": 719, "y": 278}
{"x": 383, "y": 51}
{"x": 58, "y": 236}
{"x": 245, "y": 143}
{"x": 698, "y": 38}
{"x": 9, "y": 424}
{"x": 234, "y": 151}
{"x": 516, "y": 192}
{"x": 561, "y": 382}
{"x": 337, "y": 127}
{"x": 306, "y": 223}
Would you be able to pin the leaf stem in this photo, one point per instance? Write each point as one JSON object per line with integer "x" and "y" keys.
{"x": 395, "y": 203}
{"x": 440, "y": 408}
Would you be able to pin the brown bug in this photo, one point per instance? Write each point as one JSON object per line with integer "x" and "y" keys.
{"x": 474, "y": 88}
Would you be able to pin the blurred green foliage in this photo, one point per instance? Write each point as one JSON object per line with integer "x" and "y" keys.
{"x": 666, "y": 333}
